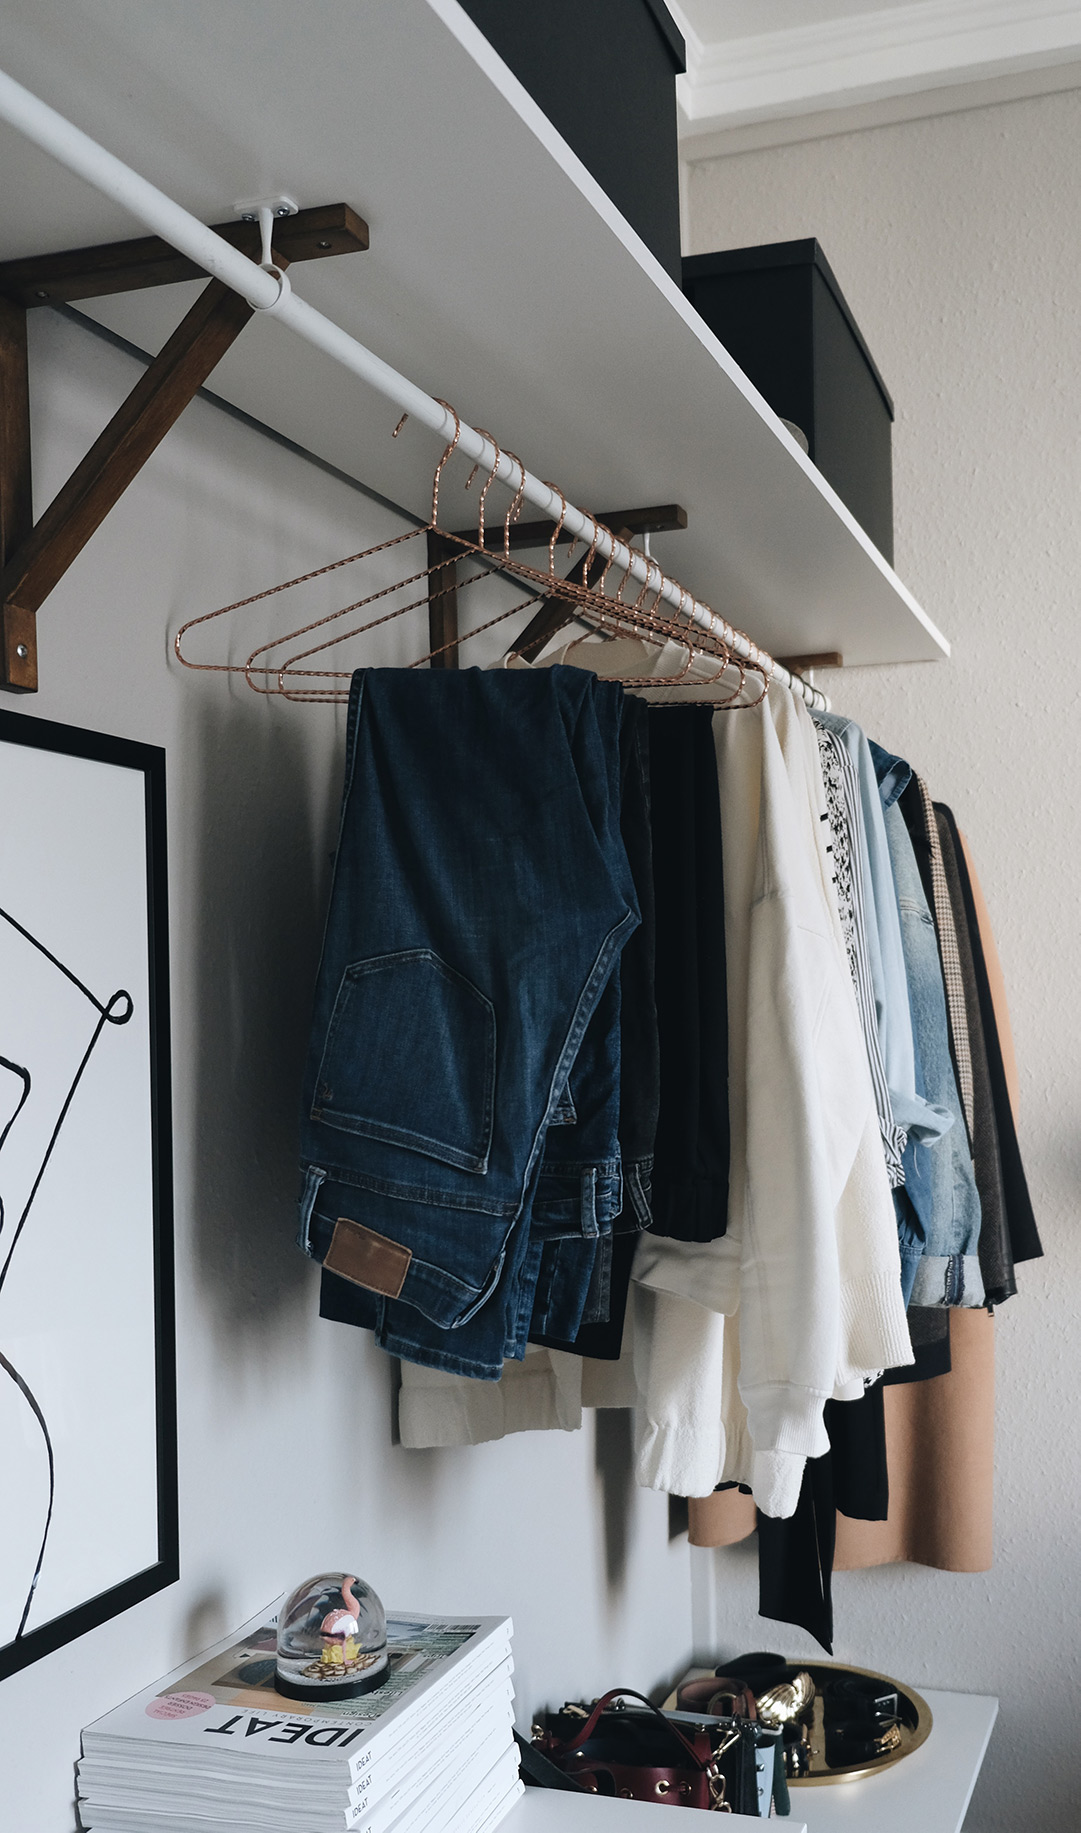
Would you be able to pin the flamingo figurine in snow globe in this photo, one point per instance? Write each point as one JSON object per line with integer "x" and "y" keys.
{"x": 332, "y": 1639}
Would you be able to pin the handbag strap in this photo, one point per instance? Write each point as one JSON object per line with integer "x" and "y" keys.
{"x": 541, "y": 1772}
{"x": 590, "y": 1725}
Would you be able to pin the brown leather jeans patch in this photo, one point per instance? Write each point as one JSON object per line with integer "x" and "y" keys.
{"x": 369, "y": 1260}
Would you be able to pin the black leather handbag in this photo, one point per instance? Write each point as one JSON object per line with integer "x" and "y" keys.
{"x": 639, "y": 1753}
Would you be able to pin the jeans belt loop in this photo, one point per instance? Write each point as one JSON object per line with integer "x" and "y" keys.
{"x": 589, "y": 1224}
{"x": 314, "y": 1178}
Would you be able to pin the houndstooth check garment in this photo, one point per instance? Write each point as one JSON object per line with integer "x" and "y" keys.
{"x": 846, "y": 831}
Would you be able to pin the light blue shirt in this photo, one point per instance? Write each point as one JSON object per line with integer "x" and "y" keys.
{"x": 920, "y": 1118}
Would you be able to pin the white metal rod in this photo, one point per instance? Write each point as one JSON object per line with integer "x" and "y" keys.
{"x": 80, "y": 154}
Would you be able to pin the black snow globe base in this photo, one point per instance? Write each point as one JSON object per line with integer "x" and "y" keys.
{"x": 332, "y": 1639}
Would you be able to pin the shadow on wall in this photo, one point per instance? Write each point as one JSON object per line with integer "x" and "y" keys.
{"x": 260, "y": 878}
{"x": 613, "y": 1462}
{"x": 205, "y": 1622}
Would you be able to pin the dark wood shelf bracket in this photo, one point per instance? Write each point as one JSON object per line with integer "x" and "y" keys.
{"x": 802, "y": 665}
{"x": 35, "y": 556}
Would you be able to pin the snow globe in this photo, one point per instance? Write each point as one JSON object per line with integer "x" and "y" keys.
{"x": 332, "y": 1639}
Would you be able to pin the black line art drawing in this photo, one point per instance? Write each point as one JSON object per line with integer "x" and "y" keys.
{"x": 117, "y": 1010}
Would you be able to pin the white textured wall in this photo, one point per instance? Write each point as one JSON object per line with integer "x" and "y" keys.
{"x": 957, "y": 242}
{"x": 547, "y": 1526}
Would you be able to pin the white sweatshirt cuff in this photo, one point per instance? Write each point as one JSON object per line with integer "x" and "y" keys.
{"x": 776, "y": 1480}
{"x": 784, "y": 1417}
{"x": 681, "y": 1461}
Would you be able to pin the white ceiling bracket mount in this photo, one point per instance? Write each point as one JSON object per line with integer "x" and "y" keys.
{"x": 264, "y": 211}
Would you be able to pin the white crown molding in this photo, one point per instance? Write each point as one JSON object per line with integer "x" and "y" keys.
{"x": 894, "y": 51}
{"x": 887, "y": 111}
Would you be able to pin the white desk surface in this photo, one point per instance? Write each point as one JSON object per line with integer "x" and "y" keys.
{"x": 927, "y": 1793}
{"x": 544, "y": 1810}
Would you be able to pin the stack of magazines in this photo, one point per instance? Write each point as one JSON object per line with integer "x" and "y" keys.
{"x": 215, "y": 1746}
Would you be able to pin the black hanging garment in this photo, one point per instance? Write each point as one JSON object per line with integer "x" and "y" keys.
{"x": 690, "y": 1167}
{"x": 795, "y": 1556}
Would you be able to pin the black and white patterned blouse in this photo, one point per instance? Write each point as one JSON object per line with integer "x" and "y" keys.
{"x": 849, "y": 847}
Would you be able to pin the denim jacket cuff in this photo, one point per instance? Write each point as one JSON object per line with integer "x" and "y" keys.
{"x": 953, "y": 1280}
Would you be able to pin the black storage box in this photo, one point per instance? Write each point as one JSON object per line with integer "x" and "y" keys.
{"x": 780, "y": 312}
{"x": 604, "y": 72}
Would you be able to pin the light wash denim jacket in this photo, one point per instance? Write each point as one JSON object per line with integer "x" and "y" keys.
{"x": 938, "y": 1174}
{"x": 922, "y": 1118}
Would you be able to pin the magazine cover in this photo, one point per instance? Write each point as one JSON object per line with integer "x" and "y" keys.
{"x": 229, "y": 1696}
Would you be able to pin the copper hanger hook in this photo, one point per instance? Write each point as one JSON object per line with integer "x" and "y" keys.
{"x": 558, "y": 529}
{"x": 446, "y": 454}
{"x": 488, "y": 482}
{"x": 734, "y": 699}
{"x": 485, "y": 434}
{"x": 516, "y": 503}
{"x": 591, "y": 551}
{"x": 662, "y": 581}
{"x": 639, "y": 604}
{"x": 609, "y": 562}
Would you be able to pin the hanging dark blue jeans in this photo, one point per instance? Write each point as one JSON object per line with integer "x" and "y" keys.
{"x": 578, "y": 1304}
{"x": 481, "y": 898}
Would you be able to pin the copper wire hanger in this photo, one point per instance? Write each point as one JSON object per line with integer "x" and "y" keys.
{"x": 289, "y": 679}
{"x": 608, "y": 611}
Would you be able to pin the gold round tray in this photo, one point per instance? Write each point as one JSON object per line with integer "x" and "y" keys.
{"x": 915, "y": 1722}
{"x": 915, "y": 1725}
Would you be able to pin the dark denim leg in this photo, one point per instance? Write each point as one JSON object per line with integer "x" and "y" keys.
{"x": 575, "y": 1285}
{"x": 481, "y": 898}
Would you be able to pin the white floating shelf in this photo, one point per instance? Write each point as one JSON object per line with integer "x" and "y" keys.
{"x": 499, "y": 276}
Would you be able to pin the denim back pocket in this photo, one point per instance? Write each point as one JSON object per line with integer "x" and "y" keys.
{"x": 410, "y": 1059}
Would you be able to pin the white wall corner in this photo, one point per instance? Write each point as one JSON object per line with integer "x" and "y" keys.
{"x": 703, "y": 1603}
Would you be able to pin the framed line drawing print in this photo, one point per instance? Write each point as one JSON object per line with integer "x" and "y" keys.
{"x": 88, "y": 1502}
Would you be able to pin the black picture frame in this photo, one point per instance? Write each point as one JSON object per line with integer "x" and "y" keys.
{"x": 46, "y": 736}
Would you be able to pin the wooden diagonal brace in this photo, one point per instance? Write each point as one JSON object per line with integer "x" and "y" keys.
{"x": 16, "y": 514}
{"x": 555, "y": 612}
{"x": 116, "y": 457}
